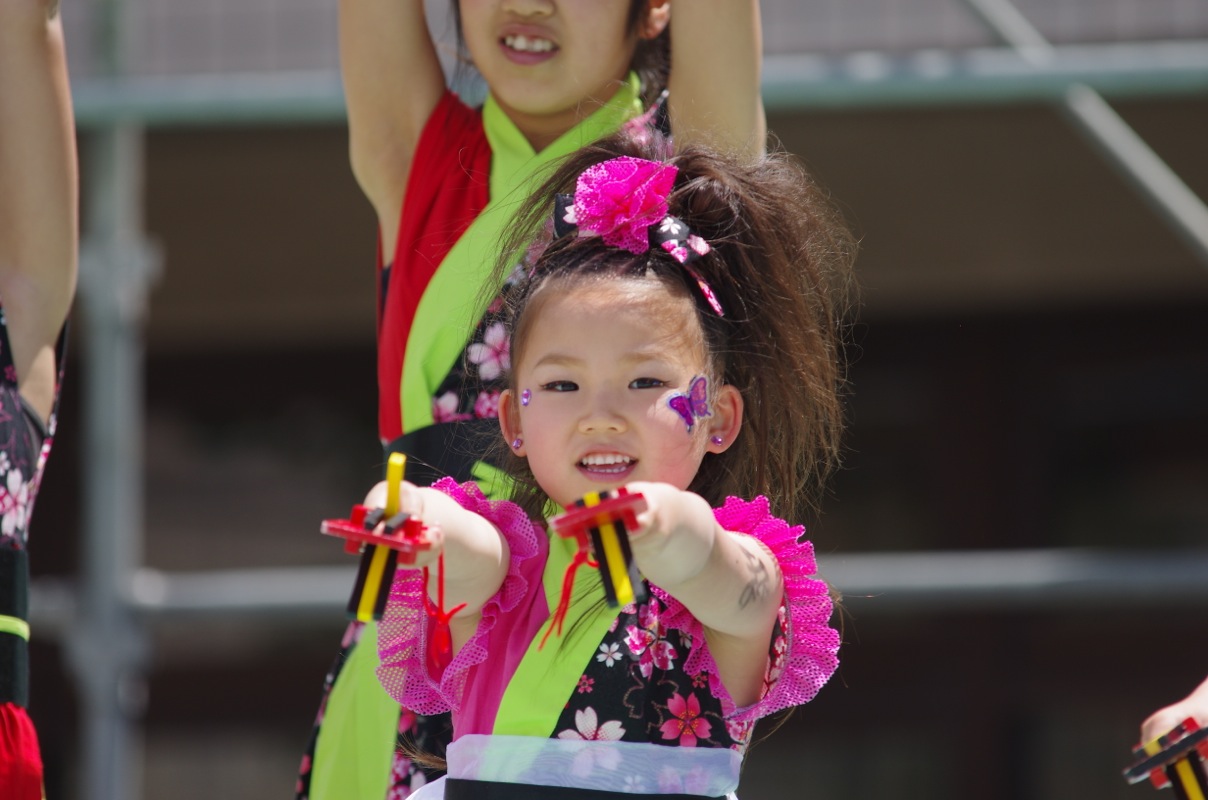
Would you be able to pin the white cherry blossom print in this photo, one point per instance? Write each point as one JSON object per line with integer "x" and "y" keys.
{"x": 14, "y": 499}
{"x": 492, "y": 353}
{"x": 610, "y": 653}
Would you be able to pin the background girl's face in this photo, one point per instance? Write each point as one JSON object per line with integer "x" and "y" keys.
{"x": 600, "y": 360}
{"x": 549, "y": 63}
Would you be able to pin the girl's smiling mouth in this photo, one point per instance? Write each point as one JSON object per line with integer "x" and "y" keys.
{"x": 527, "y": 49}
{"x": 608, "y": 465}
{"x": 528, "y": 44}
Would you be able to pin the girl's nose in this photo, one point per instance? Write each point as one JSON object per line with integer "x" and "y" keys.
{"x": 602, "y": 417}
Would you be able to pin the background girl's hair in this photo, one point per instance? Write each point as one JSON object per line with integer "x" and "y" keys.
{"x": 651, "y": 59}
{"x": 781, "y": 266}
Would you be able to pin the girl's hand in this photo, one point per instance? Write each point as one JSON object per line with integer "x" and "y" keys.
{"x": 476, "y": 554}
{"x": 675, "y": 533}
{"x": 1164, "y": 719}
{"x": 411, "y": 501}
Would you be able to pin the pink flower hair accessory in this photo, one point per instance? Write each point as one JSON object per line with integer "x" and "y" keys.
{"x": 620, "y": 199}
{"x": 624, "y": 202}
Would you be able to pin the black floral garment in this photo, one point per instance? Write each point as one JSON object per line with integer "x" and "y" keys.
{"x": 641, "y": 661}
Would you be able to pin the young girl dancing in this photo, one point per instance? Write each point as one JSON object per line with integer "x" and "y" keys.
{"x": 678, "y": 339}
{"x": 443, "y": 180}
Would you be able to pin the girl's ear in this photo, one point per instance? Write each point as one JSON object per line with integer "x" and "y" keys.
{"x": 509, "y": 421}
{"x": 726, "y": 421}
{"x": 658, "y": 14}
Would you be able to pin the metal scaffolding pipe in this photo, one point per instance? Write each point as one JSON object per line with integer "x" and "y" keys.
{"x": 1128, "y": 152}
{"x": 982, "y": 581}
{"x": 107, "y": 648}
{"x": 980, "y": 76}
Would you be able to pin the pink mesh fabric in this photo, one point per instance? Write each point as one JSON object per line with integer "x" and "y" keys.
{"x": 810, "y": 656}
{"x": 404, "y": 630}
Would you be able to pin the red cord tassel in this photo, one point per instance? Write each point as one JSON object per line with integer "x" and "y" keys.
{"x": 20, "y": 758}
{"x": 442, "y": 639}
{"x": 582, "y": 557}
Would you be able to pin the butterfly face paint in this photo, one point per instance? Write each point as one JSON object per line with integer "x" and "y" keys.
{"x": 695, "y": 404}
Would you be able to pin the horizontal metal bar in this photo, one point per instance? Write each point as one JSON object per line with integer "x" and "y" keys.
{"x": 296, "y": 591}
{"x": 924, "y": 582}
{"x": 790, "y": 82}
{"x": 1012, "y": 580}
{"x": 210, "y": 100}
{"x": 984, "y": 76}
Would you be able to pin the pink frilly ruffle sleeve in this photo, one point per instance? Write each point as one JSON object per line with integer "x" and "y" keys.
{"x": 804, "y": 660}
{"x": 405, "y": 628}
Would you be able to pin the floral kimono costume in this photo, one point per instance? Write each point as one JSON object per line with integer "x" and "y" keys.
{"x": 624, "y": 702}
{"x": 438, "y": 393}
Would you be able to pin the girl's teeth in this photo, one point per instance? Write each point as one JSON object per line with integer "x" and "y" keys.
{"x": 525, "y": 44}
{"x": 605, "y": 460}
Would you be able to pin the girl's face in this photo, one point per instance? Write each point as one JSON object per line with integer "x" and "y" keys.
{"x": 600, "y": 363}
{"x": 549, "y": 63}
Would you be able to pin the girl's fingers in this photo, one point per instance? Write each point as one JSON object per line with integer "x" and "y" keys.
{"x": 376, "y": 497}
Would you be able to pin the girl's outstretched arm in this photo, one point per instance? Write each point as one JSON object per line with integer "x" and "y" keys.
{"x": 716, "y": 57}
{"x": 392, "y": 82}
{"x": 38, "y": 192}
{"x": 476, "y": 554}
{"x": 730, "y": 582}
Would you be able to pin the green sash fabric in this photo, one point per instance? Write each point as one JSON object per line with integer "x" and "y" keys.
{"x": 451, "y": 304}
{"x": 536, "y": 694}
{"x": 14, "y": 626}
{"x": 356, "y": 740}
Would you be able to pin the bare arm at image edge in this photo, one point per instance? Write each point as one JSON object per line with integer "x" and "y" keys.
{"x": 38, "y": 192}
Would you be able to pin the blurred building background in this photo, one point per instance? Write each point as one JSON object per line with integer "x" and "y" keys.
{"x": 1021, "y": 530}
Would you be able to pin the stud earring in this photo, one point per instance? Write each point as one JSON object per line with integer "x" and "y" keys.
{"x": 717, "y": 440}
{"x": 516, "y": 443}
{"x": 525, "y": 397}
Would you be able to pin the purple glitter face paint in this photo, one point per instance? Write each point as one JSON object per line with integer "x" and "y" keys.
{"x": 525, "y": 396}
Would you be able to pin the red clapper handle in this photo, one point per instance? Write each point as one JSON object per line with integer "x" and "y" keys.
{"x": 577, "y": 522}
{"x": 1175, "y": 759}
{"x": 404, "y": 534}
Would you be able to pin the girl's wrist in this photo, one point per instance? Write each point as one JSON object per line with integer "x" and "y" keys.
{"x": 684, "y": 534}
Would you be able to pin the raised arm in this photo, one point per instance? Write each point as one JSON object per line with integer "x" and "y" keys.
{"x": 730, "y": 582}
{"x": 38, "y": 192}
{"x": 392, "y": 82}
{"x": 716, "y": 55}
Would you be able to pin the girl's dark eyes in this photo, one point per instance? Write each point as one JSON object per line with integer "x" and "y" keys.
{"x": 571, "y": 386}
